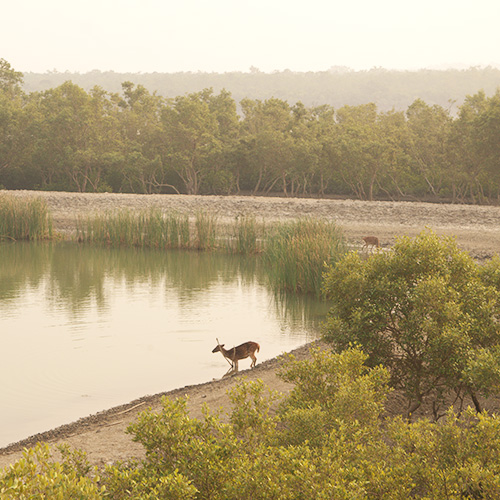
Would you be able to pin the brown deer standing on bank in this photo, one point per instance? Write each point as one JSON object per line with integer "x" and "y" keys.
{"x": 370, "y": 241}
{"x": 240, "y": 352}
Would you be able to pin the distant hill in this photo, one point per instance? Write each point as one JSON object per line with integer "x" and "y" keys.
{"x": 337, "y": 87}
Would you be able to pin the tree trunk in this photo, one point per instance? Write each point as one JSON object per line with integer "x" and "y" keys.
{"x": 476, "y": 402}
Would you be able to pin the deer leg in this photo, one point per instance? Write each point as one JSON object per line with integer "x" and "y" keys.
{"x": 254, "y": 360}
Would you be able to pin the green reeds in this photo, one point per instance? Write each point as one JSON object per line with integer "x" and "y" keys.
{"x": 296, "y": 254}
{"x": 245, "y": 236}
{"x": 24, "y": 218}
{"x": 150, "y": 229}
{"x": 206, "y": 231}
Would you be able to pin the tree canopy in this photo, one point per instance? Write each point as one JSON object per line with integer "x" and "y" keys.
{"x": 205, "y": 142}
{"x": 426, "y": 311}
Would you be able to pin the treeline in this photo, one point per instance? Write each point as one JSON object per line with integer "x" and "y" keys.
{"x": 66, "y": 138}
{"x": 338, "y": 86}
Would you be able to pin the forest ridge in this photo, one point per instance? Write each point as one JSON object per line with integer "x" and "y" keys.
{"x": 207, "y": 142}
{"x": 339, "y": 86}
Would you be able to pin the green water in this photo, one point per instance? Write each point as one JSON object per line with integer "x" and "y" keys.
{"x": 84, "y": 329}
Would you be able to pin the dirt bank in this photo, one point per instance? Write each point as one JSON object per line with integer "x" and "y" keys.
{"x": 476, "y": 228}
{"x": 102, "y": 436}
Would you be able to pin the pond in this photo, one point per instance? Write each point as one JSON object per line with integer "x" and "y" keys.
{"x": 84, "y": 329}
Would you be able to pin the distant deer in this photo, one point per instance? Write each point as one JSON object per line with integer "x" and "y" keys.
{"x": 370, "y": 241}
{"x": 241, "y": 352}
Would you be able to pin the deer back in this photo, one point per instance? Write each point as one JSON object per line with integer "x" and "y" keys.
{"x": 371, "y": 240}
{"x": 240, "y": 352}
{"x": 244, "y": 350}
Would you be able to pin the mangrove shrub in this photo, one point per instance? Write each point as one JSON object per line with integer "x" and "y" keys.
{"x": 425, "y": 310}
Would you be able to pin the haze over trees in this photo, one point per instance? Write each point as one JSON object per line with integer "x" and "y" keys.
{"x": 388, "y": 89}
{"x": 208, "y": 142}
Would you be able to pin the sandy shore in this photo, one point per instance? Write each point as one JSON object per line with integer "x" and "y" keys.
{"x": 102, "y": 436}
{"x": 476, "y": 228}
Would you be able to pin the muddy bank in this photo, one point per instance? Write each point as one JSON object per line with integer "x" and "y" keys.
{"x": 102, "y": 436}
{"x": 476, "y": 228}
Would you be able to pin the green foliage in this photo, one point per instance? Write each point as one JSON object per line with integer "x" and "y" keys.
{"x": 319, "y": 445}
{"x": 335, "y": 388}
{"x": 201, "y": 450}
{"x": 10, "y": 80}
{"x": 251, "y": 416}
{"x": 68, "y": 138}
{"x": 457, "y": 459}
{"x": 483, "y": 370}
{"x": 297, "y": 252}
{"x": 38, "y": 476}
{"x": 24, "y": 218}
{"x": 422, "y": 310}
{"x": 428, "y": 128}
{"x": 131, "y": 481}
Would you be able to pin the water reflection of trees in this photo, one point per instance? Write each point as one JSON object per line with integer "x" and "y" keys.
{"x": 21, "y": 268}
{"x": 75, "y": 273}
{"x": 303, "y": 311}
{"x": 72, "y": 276}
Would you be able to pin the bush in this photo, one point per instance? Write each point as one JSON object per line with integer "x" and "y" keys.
{"x": 424, "y": 310}
{"x": 459, "y": 458}
{"x": 38, "y": 476}
{"x": 327, "y": 440}
{"x": 331, "y": 391}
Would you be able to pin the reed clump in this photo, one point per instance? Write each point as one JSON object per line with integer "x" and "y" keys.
{"x": 24, "y": 218}
{"x": 245, "y": 236}
{"x": 296, "y": 254}
{"x": 206, "y": 231}
{"x": 148, "y": 229}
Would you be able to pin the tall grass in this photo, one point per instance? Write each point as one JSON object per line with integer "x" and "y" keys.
{"x": 206, "y": 231}
{"x": 149, "y": 229}
{"x": 296, "y": 254}
{"x": 157, "y": 229}
{"x": 245, "y": 236}
{"x": 24, "y": 218}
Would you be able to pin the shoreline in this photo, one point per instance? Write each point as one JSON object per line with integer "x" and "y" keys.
{"x": 115, "y": 420}
{"x": 476, "y": 228}
{"x": 102, "y": 436}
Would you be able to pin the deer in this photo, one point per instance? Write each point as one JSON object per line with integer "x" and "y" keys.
{"x": 240, "y": 352}
{"x": 370, "y": 241}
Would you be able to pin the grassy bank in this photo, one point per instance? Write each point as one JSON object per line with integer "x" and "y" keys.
{"x": 24, "y": 218}
{"x": 295, "y": 252}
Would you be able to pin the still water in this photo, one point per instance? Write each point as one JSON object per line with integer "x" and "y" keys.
{"x": 84, "y": 329}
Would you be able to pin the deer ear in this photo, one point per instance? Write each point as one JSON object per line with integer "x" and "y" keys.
{"x": 222, "y": 345}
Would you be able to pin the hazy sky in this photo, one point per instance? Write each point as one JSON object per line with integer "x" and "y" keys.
{"x": 233, "y": 35}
